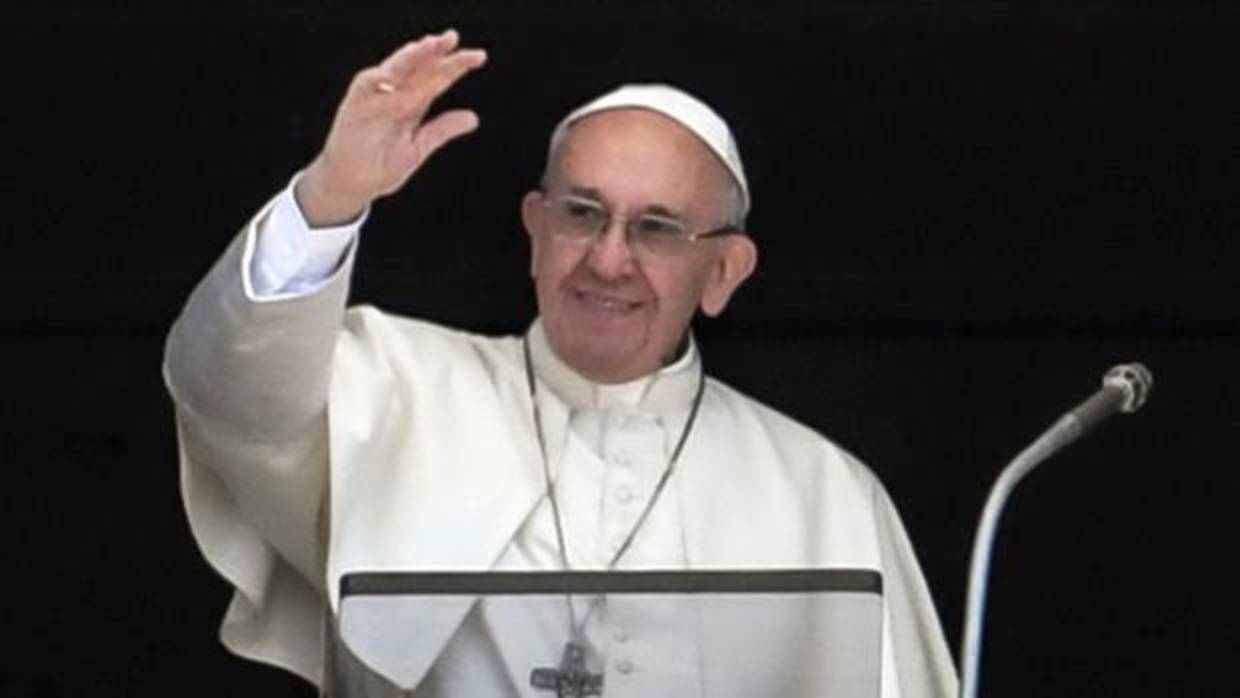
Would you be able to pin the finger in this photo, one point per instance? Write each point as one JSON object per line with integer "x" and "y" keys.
{"x": 440, "y": 43}
{"x": 441, "y": 130}
{"x": 389, "y": 75}
{"x": 406, "y": 61}
{"x": 446, "y": 72}
{"x": 369, "y": 82}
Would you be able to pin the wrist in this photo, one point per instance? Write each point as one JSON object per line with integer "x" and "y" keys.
{"x": 321, "y": 204}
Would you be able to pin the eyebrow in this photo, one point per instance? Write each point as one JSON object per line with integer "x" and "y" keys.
{"x": 594, "y": 194}
{"x": 586, "y": 193}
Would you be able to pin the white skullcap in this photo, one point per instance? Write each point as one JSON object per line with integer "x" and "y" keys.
{"x": 680, "y": 106}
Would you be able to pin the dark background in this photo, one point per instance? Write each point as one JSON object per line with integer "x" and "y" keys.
{"x": 966, "y": 213}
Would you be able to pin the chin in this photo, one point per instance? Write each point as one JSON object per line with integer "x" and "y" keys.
{"x": 602, "y": 364}
{"x": 604, "y": 369}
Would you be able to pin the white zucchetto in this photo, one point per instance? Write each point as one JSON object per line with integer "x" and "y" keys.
{"x": 680, "y": 106}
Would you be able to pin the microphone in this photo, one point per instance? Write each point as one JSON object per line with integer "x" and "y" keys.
{"x": 1125, "y": 388}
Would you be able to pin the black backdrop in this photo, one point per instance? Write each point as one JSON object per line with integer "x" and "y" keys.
{"x": 966, "y": 212}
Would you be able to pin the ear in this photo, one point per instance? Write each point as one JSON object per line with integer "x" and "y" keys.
{"x": 730, "y": 269}
{"x": 533, "y": 218}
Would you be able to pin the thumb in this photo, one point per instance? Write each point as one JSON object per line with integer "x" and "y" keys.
{"x": 434, "y": 134}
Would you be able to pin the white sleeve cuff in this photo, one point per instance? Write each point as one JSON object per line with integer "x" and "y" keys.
{"x": 289, "y": 259}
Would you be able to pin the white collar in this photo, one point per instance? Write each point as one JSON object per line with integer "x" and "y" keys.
{"x": 670, "y": 389}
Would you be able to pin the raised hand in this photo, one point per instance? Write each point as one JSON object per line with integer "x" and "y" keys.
{"x": 380, "y": 135}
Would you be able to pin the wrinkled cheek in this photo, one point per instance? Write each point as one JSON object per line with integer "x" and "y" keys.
{"x": 546, "y": 288}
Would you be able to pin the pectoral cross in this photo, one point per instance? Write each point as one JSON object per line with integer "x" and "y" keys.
{"x": 572, "y": 679}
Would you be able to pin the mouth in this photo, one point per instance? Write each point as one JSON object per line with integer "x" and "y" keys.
{"x": 605, "y": 302}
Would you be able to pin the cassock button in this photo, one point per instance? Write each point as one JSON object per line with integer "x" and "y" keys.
{"x": 624, "y": 666}
{"x": 624, "y": 495}
{"x": 621, "y": 459}
{"x": 619, "y": 635}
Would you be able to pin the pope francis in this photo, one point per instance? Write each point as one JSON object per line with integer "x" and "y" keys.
{"x": 317, "y": 440}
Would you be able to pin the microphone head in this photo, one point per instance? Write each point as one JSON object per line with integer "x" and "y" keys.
{"x": 1134, "y": 380}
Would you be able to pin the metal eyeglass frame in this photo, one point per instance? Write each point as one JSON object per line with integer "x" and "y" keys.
{"x": 549, "y": 202}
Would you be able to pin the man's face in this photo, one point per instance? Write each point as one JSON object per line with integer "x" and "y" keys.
{"x": 610, "y": 311}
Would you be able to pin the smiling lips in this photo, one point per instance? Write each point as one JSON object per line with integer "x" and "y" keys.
{"x": 606, "y": 302}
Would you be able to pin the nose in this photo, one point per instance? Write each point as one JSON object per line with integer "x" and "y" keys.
{"x": 610, "y": 254}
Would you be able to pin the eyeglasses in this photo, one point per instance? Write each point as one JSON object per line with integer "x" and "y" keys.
{"x": 580, "y": 219}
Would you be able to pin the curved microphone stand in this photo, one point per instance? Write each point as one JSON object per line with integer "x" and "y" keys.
{"x": 1124, "y": 389}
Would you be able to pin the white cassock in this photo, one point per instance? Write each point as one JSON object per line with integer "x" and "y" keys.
{"x": 316, "y": 441}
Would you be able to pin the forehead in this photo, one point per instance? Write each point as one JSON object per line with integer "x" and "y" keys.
{"x": 643, "y": 154}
